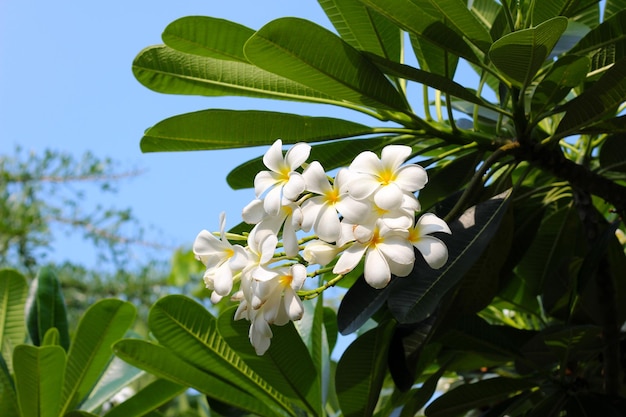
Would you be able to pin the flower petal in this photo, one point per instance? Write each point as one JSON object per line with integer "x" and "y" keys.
{"x": 263, "y": 181}
{"x": 434, "y": 251}
{"x": 377, "y": 273}
{"x": 260, "y": 335}
{"x": 362, "y": 186}
{"x": 273, "y": 201}
{"x": 297, "y": 155}
{"x": 388, "y": 197}
{"x": 327, "y": 225}
{"x": 254, "y": 212}
{"x": 392, "y": 156}
{"x": 411, "y": 178}
{"x": 316, "y": 179}
{"x": 273, "y": 158}
{"x": 366, "y": 163}
{"x": 294, "y": 187}
{"x": 349, "y": 259}
{"x": 430, "y": 223}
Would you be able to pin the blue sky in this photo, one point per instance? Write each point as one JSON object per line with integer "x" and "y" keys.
{"x": 66, "y": 84}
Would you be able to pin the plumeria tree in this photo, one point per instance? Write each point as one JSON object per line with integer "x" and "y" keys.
{"x": 475, "y": 227}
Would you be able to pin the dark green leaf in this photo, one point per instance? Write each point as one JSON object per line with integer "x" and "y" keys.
{"x": 422, "y": 395}
{"x": 361, "y": 371}
{"x": 39, "y": 379}
{"x": 306, "y": 53}
{"x": 479, "y": 394}
{"x": 208, "y": 36}
{"x": 163, "y": 363}
{"x": 150, "y": 397}
{"x": 13, "y": 291}
{"x": 432, "y": 58}
{"x": 8, "y": 396}
{"x": 330, "y": 155}
{"x": 566, "y": 73}
{"x": 286, "y": 365}
{"x": 47, "y": 308}
{"x": 363, "y": 28}
{"x": 358, "y": 305}
{"x": 415, "y": 297}
{"x": 519, "y": 55}
{"x": 600, "y": 100}
{"x": 227, "y": 129}
{"x": 102, "y": 324}
{"x": 412, "y": 18}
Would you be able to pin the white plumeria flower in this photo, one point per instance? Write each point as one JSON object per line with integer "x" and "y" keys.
{"x": 434, "y": 251}
{"x": 385, "y": 179}
{"x": 260, "y": 250}
{"x": 221, "y": 258}
{"x": 387, "y": 251}
{"x": 319, "y": 252}
{"x": 282, "y": 180}
{"x": 321, "y": 212}
{"x": 290, "y": 219}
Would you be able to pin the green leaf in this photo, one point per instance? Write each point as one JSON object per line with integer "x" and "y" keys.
{"x": 432, "y": 58}
{"x": 363, "y": 28}
{"x": 486, "y": 11}
{"x": 482, "y": 393}
{"x": 306, "y": 53}
{"x": 456, "y": 14}
{"x": 190, "y": 331}
{"x": 208, "y": 36}
{"x": 519, "y": 55}
{"x": 435, "y": 81}
{"x": 150, "y": 397}
{"x": 566, "y": 73}
{"x": 286, "y": 365}
{"x": 39, "y": 379}
{"x": 116, "y": 376}
{"x": 102, "y": 324}
{"x": 597, "y": 102}
{"x": 613, "y": 153}
{"x": 227, "y": 129}
{"x": 415, "y": 297}
{"x": 411, "y": 17}
{"x": 612, "y": 7}
{"x": 13, "y": 291}
{"x": 80, "y": 413}
{"x": 47, "y": 308}
{"x": 330, "y": 155}
{"x": 166, "y": 70}
{"x": 361, "y": 371}
{"x": 8, "y": 397}
{"x": 545, "y": 10}
{"x": 605, "y": 44}
{"x": 358, "y": 305}
{"x": 422, "y": 395}
{"x": 163, "y": 363}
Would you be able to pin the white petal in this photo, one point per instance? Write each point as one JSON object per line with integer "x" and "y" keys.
{"x": 327, "y": 226}
{"x": 273, "y": 158}
{"x": 393, "y": 156}
{"x": 263, "y": 181}
{"x": 290, "y": 239}
{"x": 223, "y": 280}
{"x": 297, "y": 155}
{"x": 362, "y": 186}
{"x": 434, "y": 251}
{"x": 260, "y": 335}
{"x": 254, "y": 212}
{"x": 294, "y": 187}
{"x": 388, "y": 197}
{"x": 366, "y": 162}
{"x": 310, "y": 211}
{"x": 316, "y": 179}
{"x": 273, "y": 201}
{"x": 268, "y": 247}
{"x": 319, "y": 252}
{"x": 298, "y": 274}
{"x": 349, "y": 259}
{"x": 353, "y": 210}
{"x": 411, "y": 178}
{"x": 293, "y": 305}
{"x": 398, "y": 249}
{"x": 377, "y": 273}
{"x": 430, "y": 223}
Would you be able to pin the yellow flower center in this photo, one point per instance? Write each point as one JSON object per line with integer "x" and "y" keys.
{"x": 387, "y": 176}
{"x": 332, "y": 196}
{"x": 376, "y": 239}
{"x": 414, "y": 234}
{"x": 285, "y": 280}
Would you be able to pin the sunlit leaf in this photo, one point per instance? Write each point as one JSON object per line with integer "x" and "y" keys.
{"x": 8, "y": 396}
{"x": 306, "y": 53}
{"x": 208, "y": 36}
{"x": 13, "y": 291}
{"x": 519, "y": 55}
{"x": 39, "y": 379}
{"x": 227, "y": 129}
{"x": 153, "y": 395}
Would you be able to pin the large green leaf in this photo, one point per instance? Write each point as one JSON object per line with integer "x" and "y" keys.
{"x": 482, "y": 393}
{"x": 47, "y": 308}
{"x": 190, "y": 331}
{"x": 162, "y": 362}
{"x": 39, "y": 379}
{"x": 116, "y": 376}
{"x": 519, "y": 55}
{"x": 165, "y": 70}
{"x": 306, "y": 53}
{"x": 13, "y": 291}
{"x": 361, "y": 371}
{"x": 612, "y": 7}
{"x": 286, "y": 365}
{"x": 226, "y": 129}
{"x": 363, "y": 28}
{"x": 150, "y": 397}
{"x": 605, "y": 44}
{"x": 613, "y": 153}
{"x": 8, "y": 396}
{"x": 597, "y": 102}
{"x": 103, "y": 323}
{"x": 545, "y": 10}
{"x": 432, "y": 58}
{"x": 208, "y": 36}
{"x": 358, "y": 305}
{"x": 457, "y": 15}
{"x": 566, "y": 73}
{"x": 415, "y": 297}
{"x": 330, "y": 155}
{"x": 411, "y": 17}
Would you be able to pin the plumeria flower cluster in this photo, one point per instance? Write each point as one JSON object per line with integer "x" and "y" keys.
{"x": 366, "y": 212}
